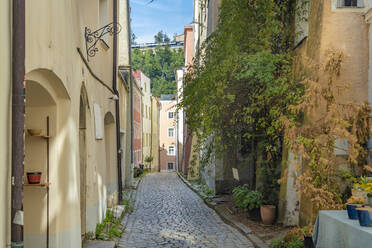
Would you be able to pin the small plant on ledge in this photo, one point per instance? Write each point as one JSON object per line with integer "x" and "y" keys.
{"x": 149, "y": 160}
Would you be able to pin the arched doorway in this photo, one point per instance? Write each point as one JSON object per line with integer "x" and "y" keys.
{"x": 83, "y": 159}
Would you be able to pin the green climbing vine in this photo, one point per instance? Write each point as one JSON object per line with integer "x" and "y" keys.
{"x": 241, "y": 82}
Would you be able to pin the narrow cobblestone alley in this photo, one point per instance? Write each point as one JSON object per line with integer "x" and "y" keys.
{"x": 168, "y": 214}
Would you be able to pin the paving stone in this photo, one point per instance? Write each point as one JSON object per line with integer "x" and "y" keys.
{"x": 168, "y": 214}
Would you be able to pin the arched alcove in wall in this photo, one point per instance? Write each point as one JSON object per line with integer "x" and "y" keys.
{"x": 110, "y": 148}
{"x": 83, "y": 158}
{"x": 45, "y": 99}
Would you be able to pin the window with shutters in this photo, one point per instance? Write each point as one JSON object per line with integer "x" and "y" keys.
{"x": 350, "y": 4}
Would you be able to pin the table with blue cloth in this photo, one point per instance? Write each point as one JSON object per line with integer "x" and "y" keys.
{"x": 333, "y": 229}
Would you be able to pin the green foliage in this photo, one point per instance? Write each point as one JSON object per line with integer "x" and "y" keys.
{"x": 127, "y": 201}
{"x": 280, "y": 243}
{"x": 139, "y": 171}
{"x": 159, "y": 66}
{"x": 110, "y": 227}
{"x": 242, "y": 82}
{"x": 149, "y": 159}
{"x": 161, "y": 37}
{"x": 268, "y": 184}
{"x": 206, "y": 190}
{"x": 245, "y": 198}
{"x": 294, "y": 238}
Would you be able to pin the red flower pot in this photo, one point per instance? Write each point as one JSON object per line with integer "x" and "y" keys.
{"x": 33, "y": 177}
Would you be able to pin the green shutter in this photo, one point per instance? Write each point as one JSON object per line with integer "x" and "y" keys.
{"x": 340, "y": 3}
{"x": 360, "y": 4}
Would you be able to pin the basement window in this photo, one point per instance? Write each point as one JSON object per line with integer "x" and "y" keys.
{"x": 170, "y": 166}
{"x": 350, "y": 4}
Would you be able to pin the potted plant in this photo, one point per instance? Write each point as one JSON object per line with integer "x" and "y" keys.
{"x": 251, "y": 200}
{"x": 268, "y": 214}
{"x": 149, "y": 160}
{"x": 365, "y": 216}
{"x": 352, "y": 204}
{"x": 308, "y": 236}
{"x": 362, "y": 188}
{"x": 369, "y": 195}
{"x": 34, "y": 177}
{"x": 268, "y": 175}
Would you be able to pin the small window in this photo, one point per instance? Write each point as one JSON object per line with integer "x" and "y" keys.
{"x": 171, "y": 132}
{"x": 170, "y": 166}
{"x": 170, "y": 115}
{"x": 171, "y": 150}
{"x": 103, "y": 17}
{"x": 350, "y": 3}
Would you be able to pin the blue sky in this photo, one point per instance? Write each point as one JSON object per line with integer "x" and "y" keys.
{"x": 167, "y": 15}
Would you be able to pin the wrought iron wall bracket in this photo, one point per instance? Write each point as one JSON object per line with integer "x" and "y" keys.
{"x": 91, "y": 38}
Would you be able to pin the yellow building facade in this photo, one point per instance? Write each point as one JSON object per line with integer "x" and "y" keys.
{"x": 70, "y": 99}
{"x": 330, "y": 24}
{"x": 155, "y": 127}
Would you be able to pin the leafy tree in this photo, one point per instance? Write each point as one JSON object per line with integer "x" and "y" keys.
{"x": 133, "y": 39}
{"x": 161, "y": 37}
{"x": 159, "y": 65}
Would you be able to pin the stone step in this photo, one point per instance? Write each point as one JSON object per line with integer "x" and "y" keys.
{"x": 99, "y": 244}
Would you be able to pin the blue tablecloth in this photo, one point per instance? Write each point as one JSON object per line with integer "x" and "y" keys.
{"x": 333, "y": 229}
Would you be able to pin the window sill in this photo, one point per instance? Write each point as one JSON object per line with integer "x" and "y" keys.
{"x": 350, "y": 7}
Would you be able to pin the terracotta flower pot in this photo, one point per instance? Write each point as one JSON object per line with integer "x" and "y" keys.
{"x": 33, "y": 177}
{"x": 268, "y": 214}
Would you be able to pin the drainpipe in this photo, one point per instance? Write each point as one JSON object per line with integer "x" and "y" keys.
{"x": 18, "y": 121}
{"x": 131, "y": 98}
{"x": 117, "y": 107}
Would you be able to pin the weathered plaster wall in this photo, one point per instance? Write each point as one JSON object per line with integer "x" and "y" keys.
{"x": 54, "y": 31}
{"x": 5, "y": 131}
{"x": 333, "y": 28}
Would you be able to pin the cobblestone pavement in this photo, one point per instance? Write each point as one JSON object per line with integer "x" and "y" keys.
{"x": 168, "y": 214}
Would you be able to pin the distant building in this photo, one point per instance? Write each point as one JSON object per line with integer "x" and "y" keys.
{"x": 146, "y": 46}
{"x": 155, "y": 133}
{"x": 179, "y": 38}
{"x": 137, "y": 119}
{"x": 145, "y": 83}
{"x": 167, "y": 136}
